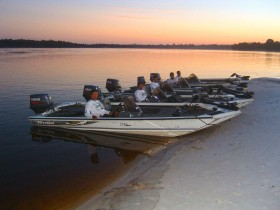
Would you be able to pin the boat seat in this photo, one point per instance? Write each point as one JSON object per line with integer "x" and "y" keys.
{"x": 131, "y": 107}
{"x": 132, "y": 89}
{"x": 182, "y": 83}
{"x": 148, "y": 90}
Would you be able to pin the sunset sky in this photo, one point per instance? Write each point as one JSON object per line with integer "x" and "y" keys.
{"x": 142, "y": 21}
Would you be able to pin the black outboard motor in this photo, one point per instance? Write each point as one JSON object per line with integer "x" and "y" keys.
{"x": 40, "y": 103}
{"x": 113, "y": 85}
{"x": 141, "y": 79}
{"x": 152, "y": 76}
{"x": 88, "y": 88}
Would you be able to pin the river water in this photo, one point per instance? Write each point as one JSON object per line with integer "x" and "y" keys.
{"x": 47, "y": 169}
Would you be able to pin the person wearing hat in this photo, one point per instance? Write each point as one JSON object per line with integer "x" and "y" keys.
{"x": 140, "y": 94}
{"x": 94, "y": 108}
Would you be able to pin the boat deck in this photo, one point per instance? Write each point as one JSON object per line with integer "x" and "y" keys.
{"x": 77, "y": 110}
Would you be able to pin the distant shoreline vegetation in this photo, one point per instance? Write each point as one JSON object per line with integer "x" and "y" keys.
{"x": 270, "y": 45}
{"x": 24, "y": 43}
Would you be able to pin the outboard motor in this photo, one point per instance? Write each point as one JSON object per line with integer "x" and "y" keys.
{"x": 88, "y": 88}
{"x": 113, "y": 85}
{"x": 40, "y": 103}
{"x": 152, "y": 76}
{"x": 141, "y": 79}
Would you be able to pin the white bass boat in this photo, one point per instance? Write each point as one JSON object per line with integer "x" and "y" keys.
{"x": 153, "y": 120}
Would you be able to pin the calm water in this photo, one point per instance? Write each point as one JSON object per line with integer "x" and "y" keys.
{"x": 43, "y": 168}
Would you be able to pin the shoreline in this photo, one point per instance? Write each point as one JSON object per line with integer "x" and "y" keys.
{"x": 234, "y": 165}
{"x": 83, "y": 198}
{"x": 268, "y": 46}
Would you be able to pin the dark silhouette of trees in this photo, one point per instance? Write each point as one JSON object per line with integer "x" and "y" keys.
{"x": 22, "y": 43}
{"x": 269, "y": 45}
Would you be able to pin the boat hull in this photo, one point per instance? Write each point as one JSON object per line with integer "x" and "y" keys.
{"x": 162, "y": 127}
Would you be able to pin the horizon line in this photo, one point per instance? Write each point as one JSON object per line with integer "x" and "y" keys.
{"x": 104, "y": 43}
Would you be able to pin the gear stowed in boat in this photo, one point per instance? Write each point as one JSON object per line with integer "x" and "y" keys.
{"x": 214, "y": 93}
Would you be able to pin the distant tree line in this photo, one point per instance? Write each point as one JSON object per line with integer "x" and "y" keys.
{"x": 23, "y": 43}
{"x": 269, "y": 45}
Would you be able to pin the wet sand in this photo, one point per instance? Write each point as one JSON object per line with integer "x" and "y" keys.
{"x": 234, "y": 165}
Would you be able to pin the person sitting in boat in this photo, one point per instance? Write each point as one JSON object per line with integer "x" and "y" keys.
{"x": 172, "y": 80}
{"x": 141, "y": 94}
{"x": 178, "y": 76}
{"x": 155, "y": 83}
{"x": 180, "y": 81}
{"x": 94, "y": 108}
{"x": 157, "y": 87}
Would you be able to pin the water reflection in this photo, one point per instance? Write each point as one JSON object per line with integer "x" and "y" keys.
{"x": 103, "y": 150}
{"x": 125, "y": 146}
{"x": 60, "y": 169}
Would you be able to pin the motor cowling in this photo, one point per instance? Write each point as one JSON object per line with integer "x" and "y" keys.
{"x": 40, "y": 102}
{"x": 113, "y": 85}
{"x": 88, "y": 88}
{"x": 141, "y": 79}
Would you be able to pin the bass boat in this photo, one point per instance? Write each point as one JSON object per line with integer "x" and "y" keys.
{"x": 162, "y": 120}
{"x": 210, "y": 95}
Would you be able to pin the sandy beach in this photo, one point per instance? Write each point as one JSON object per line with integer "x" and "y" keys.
{"x": 234, "y": 165}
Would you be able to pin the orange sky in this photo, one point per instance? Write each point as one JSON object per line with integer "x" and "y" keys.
{"x": 142, "y": 22}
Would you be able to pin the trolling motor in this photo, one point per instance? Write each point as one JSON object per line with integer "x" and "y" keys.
{"x": 40, "y": 103}
{"x": 242, "y": 82}
{"x": 237, "y": 93}
{"x": 239, "y": 76}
